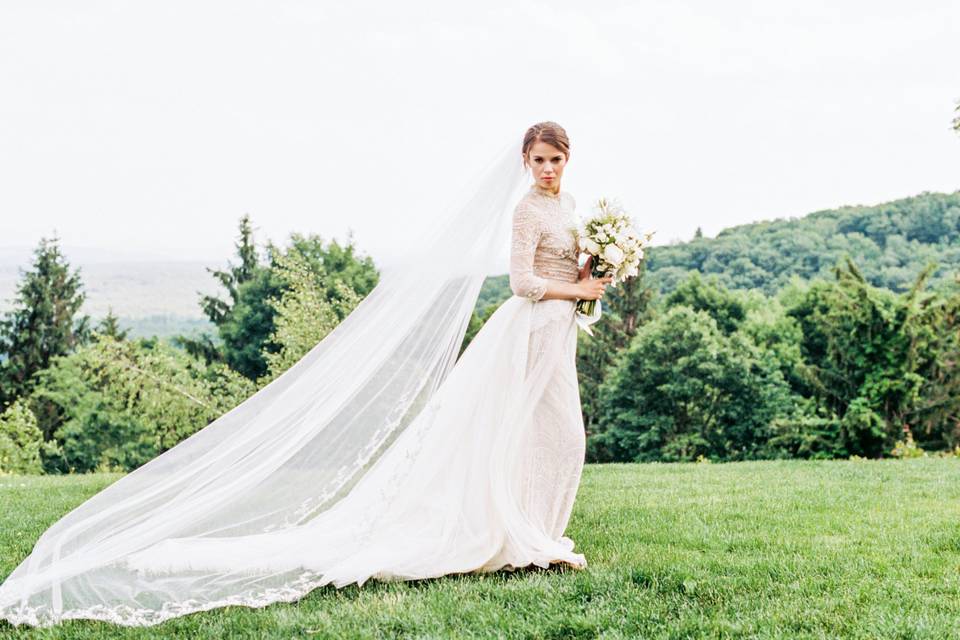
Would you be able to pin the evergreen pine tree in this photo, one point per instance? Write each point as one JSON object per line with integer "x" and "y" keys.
{"x": 41, "y": 325}
{"x": 219, "y": 311}
{"x": 215, "y": 308}
{"x": 109, "y": 326}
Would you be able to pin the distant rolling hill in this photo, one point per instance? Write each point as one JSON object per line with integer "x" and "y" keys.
{"x": 890, "y": 243}
{"x": 150, "y": 298}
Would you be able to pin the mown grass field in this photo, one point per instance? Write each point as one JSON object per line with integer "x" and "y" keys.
{"x": 773, "y": 549}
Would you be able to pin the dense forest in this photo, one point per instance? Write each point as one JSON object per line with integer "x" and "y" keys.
{"x": 892, "y": 243}
{"x": 833, "y": 335}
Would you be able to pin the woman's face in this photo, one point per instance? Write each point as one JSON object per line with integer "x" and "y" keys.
{"x": 546, "y": 162}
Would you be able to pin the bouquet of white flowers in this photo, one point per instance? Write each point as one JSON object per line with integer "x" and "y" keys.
{"x": 616, "y": 247}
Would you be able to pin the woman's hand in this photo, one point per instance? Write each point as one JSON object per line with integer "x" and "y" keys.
{"x": 591, "y": 288}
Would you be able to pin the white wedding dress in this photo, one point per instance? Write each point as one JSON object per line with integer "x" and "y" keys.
{"x": 482, "y": 477}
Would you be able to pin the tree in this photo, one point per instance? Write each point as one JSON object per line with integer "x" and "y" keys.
{"x": 848, "y": 341}
{"x": 109, "y": 326}
{"x": 245, "y": 332}
{"x": 684, "y": 388}
{"x": 245, "y": 322}
{"x": 881, "y": 363}
{"x": 120, "y": 403}
{"x": 305, "y": 312}
{"x": 220, "y": 311}
{"x": 20, "y": 440}
{"x": 332, "y": 262}
{"x": 626, "y": 307}
{"x": 710, "y": 296}
{"x": 235, "y": 275}
{"x": 41, "y": 325}
{"x": 249, "y": 333}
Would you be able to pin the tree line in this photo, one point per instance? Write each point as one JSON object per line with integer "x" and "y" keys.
{"x": 77, "y": 396}
{"x": 831, "y": 368}
{"x": 689, "y": 367}
{"x": 891, "y": 243}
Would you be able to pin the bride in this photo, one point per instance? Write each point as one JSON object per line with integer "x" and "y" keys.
{"x": 373, "y": 456}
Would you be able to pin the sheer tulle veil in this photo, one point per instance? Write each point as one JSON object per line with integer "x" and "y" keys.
{"x": 294, "y": 448}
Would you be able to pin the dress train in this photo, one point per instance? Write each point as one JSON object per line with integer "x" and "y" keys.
{"x": 483, "y": 479}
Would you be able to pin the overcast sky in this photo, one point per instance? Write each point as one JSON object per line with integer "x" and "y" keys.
{"x": 151, "y": 127}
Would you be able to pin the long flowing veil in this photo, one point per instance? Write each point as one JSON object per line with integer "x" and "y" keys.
{"x": 293, "y": 449}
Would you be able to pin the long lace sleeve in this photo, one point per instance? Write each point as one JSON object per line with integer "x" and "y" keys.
{"x": 523, "y": 245}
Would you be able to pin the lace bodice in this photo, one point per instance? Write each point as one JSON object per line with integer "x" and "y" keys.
{"x": 544, "y": 242}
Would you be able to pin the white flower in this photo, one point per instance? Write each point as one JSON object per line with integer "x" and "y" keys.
{"x": 591, "y": 246}
{"x": 613, "y": 254}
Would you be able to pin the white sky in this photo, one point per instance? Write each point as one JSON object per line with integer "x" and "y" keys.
{"x": 152, "y": 127}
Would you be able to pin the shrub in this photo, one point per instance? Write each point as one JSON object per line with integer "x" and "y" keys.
{"x": 20, "y": 440}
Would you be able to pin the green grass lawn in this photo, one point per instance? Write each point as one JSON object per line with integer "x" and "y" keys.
{"x": 774, "y": 549}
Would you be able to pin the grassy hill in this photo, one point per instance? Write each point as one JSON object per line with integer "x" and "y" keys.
{"x": 770, "y": 549}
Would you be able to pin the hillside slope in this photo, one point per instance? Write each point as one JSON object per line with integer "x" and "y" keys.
{"x": 890, "y": 243}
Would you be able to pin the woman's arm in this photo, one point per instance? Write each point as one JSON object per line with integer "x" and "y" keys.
{"x": 586, "y": 288}
{"x": 523, "y": 244}
{"x": 525, "y": 283}
{"x": 560, "y": 290}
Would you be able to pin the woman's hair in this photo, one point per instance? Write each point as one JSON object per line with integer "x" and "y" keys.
{"x": 549, "y": 132}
